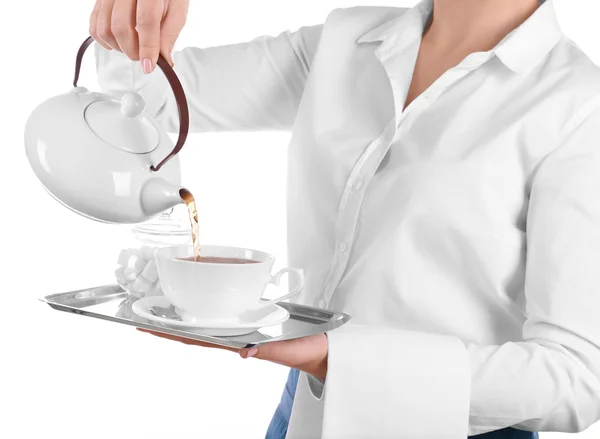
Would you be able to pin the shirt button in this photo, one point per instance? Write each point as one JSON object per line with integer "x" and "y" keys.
{"x": 358, "y": 184}
{"x": 343, "y": 246}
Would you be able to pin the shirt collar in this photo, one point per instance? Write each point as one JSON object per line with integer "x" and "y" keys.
{"x": 521, "y": 50}
{"x": 397, "y": 27}
{"x": 526, "y": 46}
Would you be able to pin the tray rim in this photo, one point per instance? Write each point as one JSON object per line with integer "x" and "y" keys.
{"x": 339, "y": 318}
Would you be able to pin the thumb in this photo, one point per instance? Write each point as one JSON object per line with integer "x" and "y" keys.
{"x": 286, "y": 352}
{"x": 171, "y": 27}
{"x": 250, "y": 352}
{"x": 266, "y": 351}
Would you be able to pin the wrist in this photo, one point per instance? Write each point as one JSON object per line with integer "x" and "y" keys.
{"x": 319, "y": 370}
{"x": 318, "y": 367}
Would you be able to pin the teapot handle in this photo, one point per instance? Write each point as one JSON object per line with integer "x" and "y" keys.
{"x": 182, "y": 106}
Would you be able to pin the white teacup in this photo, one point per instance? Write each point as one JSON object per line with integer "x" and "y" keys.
{"x": 215, "y": 290}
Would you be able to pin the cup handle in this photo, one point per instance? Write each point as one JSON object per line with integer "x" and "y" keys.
{"x": 277, "y": 279}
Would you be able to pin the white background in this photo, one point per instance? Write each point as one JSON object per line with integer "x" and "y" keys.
{"x": 65, "y": 376}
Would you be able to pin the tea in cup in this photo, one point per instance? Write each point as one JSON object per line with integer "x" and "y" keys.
{"x": 222, "y": 283}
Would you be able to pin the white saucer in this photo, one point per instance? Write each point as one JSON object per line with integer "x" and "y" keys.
{"x": 268, "y": 315}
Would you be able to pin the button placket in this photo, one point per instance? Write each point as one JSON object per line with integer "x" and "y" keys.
{"x": 358, "y": 184}
{"x": 363, "y": 171}
{"x": 350, "y": 206}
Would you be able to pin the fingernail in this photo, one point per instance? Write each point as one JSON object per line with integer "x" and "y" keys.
{"x": 251, "y": 352}
{"x": 147, "y": 65}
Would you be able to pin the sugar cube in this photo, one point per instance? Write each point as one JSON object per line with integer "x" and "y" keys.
{"x": 120, "y": 275}
{"x": 136, "y": 263}
{"x": 129, "y": 274}
{"x": 150, "y": 271}
{"x": 147, "y": 252}
{"x": 124, "y": 256}
{"x": 141, "y": 285}
{"x": 156, "y": 290}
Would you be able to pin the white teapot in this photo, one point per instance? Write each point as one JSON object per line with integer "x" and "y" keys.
{"x": 103, "y": 158}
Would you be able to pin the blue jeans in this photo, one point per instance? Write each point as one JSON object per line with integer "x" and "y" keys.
{"x": 281, "y": 418}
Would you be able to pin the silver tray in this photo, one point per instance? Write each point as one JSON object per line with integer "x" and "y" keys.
{"x": 112, "y": 303}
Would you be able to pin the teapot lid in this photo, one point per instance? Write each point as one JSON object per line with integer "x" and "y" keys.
{"x": 123, "y": 125}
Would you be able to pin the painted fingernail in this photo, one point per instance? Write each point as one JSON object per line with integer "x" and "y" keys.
{"x": 251, "y": 352}
{"x": 147, "y": 65}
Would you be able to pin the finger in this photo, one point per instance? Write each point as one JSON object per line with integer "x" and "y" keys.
{"x": 148, "y": 17}
{"x": 93, "y": 25}
{"x": 171, "y": 27}
{"x": 103, "y": 24}
{"x": 281, "y": 352}
{"x": 187, "y": 341}
{"x": 123, "y": 27}
{"x": 293, "y": 353}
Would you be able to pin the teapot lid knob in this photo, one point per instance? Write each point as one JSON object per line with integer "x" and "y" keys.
{"x": 79, "y": 90}
{"x": 132, "y": 105}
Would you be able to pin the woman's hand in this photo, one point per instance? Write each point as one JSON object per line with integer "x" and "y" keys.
{"x": 141, "y": 29}
{"x": 308, "y": 354}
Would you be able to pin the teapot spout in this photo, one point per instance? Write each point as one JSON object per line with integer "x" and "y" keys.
{"x": 158, "y": 195}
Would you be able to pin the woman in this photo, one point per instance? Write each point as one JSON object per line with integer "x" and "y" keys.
{"x": 444, "y": 190}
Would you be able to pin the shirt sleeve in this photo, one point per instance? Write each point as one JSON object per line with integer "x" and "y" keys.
{"x": 388, "y": 383}
{"x": 551, "y": 380}
{"x": 249, "y": 86}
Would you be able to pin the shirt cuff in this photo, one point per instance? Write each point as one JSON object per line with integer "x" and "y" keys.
{"x": 316, "y": 386}
{"x": 390, "y": 383}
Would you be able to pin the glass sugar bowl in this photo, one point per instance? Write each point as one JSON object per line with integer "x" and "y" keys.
{"x": 136, "y": 270}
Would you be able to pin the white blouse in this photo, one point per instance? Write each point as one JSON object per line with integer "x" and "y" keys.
{"x": 462, "y": 234}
